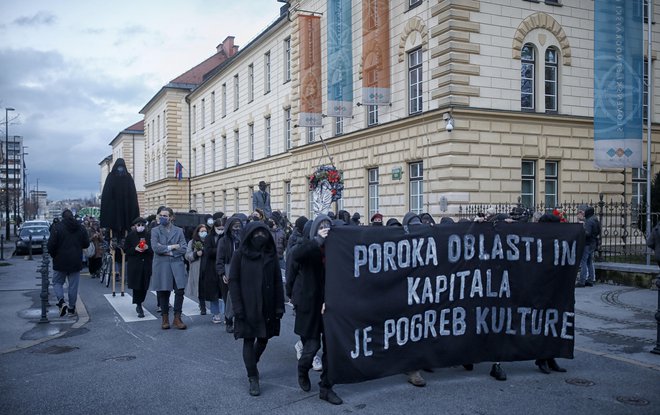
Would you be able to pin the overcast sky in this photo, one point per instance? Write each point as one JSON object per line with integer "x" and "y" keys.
{"x": 78, "y": 71}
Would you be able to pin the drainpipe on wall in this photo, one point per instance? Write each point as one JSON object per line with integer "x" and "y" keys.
{"x": 189, "y": 156}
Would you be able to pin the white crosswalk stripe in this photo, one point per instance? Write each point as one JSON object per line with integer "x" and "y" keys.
{"x": 126, "y": 309}
{"x": 189, "y": 307}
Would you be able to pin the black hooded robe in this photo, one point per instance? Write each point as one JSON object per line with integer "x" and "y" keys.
{"x": 119, "y": 203}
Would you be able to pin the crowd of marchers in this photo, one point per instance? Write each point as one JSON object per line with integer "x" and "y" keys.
{"x": 243, "y": 268}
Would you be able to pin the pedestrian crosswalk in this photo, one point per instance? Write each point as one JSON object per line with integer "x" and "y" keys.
{"x": 124, "y": 306}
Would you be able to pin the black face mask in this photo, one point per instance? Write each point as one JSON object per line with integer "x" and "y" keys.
{"x": 259, "y": 241}
{"x": 120, "y": 169}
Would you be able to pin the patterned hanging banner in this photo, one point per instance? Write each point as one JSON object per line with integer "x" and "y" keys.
{"x": 618, "y": 83}
{"x": 311, "y": 104}
{"x": 376, "y": 52}
{"x": 340, "y": 59}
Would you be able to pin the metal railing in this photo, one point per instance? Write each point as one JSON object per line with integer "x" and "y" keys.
{"x": 623, "y": 234}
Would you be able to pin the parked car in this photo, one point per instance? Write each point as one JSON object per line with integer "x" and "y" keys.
{"x": 37, "y": 223}
{"x": 39, "y": 235}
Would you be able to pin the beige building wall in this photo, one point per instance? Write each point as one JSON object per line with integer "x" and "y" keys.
{"x": 471, "y": 70}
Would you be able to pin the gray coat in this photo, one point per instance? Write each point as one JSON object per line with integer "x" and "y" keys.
{"x": 261, "y": 200}
{"x": 168, "y": 265}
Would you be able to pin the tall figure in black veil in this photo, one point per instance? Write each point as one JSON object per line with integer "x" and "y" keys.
{"x": 119, "y": 203}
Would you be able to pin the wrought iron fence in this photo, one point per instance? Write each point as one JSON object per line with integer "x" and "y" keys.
{"x": 623, "y": 235}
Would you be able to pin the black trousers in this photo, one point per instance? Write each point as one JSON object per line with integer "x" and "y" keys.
{"x": 252, "y": 351}
{"x": 139, "y": 296}
{"x": 164, "y": 300}
{"x": 311, "y": 345}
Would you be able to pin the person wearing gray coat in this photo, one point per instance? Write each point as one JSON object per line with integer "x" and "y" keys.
{"x": 168, "y": 270}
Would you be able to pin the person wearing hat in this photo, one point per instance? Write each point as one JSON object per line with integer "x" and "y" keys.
{"x": 261, "y": 199}
{"x": 139, "y": 257}
{"x": 376, "y": 220}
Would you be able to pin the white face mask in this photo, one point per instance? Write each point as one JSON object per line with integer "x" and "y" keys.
{"x": 139, "y": 228}
{"x": 209, "y": 222}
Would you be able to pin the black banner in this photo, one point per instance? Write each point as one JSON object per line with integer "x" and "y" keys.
{"x": 434, "y": 296}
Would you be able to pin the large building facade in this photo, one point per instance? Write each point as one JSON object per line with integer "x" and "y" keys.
{"x": 514, "y": 78}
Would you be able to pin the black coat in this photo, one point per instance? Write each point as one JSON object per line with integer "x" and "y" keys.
{"x": 119, "y": 203}
{"x": 255, "y": 287}
{"x": 65, "y": 244}
{"x": 211, "y": 280}
{"x": 138, "y": 264}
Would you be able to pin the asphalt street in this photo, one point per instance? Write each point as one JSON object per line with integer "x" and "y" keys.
{"x": 101, "y": 362}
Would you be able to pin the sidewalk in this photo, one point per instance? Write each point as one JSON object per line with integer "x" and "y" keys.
{"x": 613, "y": 321}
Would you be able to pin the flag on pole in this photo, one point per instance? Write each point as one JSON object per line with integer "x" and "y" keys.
{"x": 178, "y": 170}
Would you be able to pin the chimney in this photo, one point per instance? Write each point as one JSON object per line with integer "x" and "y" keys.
{"x": 227, "y": 46}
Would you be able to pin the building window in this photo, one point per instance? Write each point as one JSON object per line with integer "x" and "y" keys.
{"x": 339, "y": 125}
{"x": 551, "y": 184}
{"x": 645, "y": 99}
{"x": 194, "y": 119}
{"x": 527, "y": 72}
{"x": 646, "y": 11}
{"x": 414, "y": 3}
{"x": 267, "y": 72}
{"x": 287, "y": 199}
{"x": 551, "y": 80}
{"x": 213, "y": 150}
{"x": 250, "y": 83}
{"x": 194, "y": 162}
{"x": 287, "y": 128}
{"x": 163, "y": 129}
{"x": 287, "y": 59}
{"x": 638, "y": 188}
{"x": 267, "y": 138}
{"x": 224, "y": 100}
{"x": 236, "y": 148}
{"x": 212, "y": 107}
{"x": 203, "y": 160}
{"x": 416, "y": 187}
{"x": 224, "y": 200}
{"x": 203, "y": 115}
{"x": 236, "y": 92}
{"x": 373, "y": 204}
{"x": 310, "y": 134}
{"x": 415, "y": 81}
{"x": 528, "y": 185}
{"x": 372, "y": 115}
{"x": 158, "y": 124}
{"x": 250, "y": 142}
{"x": 236, "y": 200}
{"x": 224, "y": 152}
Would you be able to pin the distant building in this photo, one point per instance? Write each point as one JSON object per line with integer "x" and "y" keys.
{"x": 15, "y": 180}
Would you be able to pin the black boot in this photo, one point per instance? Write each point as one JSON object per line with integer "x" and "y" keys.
{"x": 229, "y": 325}
{"x": 62, "y": 306}
{"x": 543, "y": 366}
{"x": 497, "y": 372}
{"x": 303, "y": 380}
{"x": 202, "y": 307}
{"x": 254, "y": 385}
{"x": 552, "y": 364}
{"x": 327, "y": 394}
{"x": 139, "y": 311}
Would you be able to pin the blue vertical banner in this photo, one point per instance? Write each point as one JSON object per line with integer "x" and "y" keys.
{"x": 340, "y": 59}
{"x": 618, "y": 83}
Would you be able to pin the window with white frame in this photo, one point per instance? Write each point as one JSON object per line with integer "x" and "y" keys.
{"x": 224, "y": 151}
{"x": 414, "y": 3}
{"x": 236, "y": 92}
{"x": 638, "y": 188}
{"x": 214, "y": 204}
{"x": 551, "y": 78}
{"x": 194, "y": 119}
{"x": 212, "y": 107}
{"x": 339, "y": 125}
{"x": 287, "y": 198}
{"x": 224, "y": 200}
{"x": 527, "y": 77}
{"x": 310, "y": 134}
{"x": 250, "y": 82}
{"x": 287, "y": 129}
{"x": 267, "y": 72}
{"x": 236, "y": 200}
{"x": 268, "y": 136}
{"x": 194, "y": 162}
{"x": 287, "y": 60}
{"x": 158, "y": 124}
{"x": 645, "y": 99}
{"x": 340, "y": 204}
{"x": 224, "y": 100}
{"x": 372, "y": 115}
{"x": 528, "y": 185}
{"x": 202, "y": 157}
{"x": 203, "y": 115}
{"x": 236, "y": 148}
{"x": 373, "y": 202}
{"x": 416, "y": 187}
{"x": 213, "y": 155}
{"x": 415, "y": 81}
{"x": 551, "y": 184}
{"x": 164, "y": 130}
{"x": 250, "y": 142}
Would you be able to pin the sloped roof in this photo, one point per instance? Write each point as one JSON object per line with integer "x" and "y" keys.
{"x": 196, "y": 74}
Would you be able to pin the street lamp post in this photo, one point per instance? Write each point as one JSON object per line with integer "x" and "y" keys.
{"x": 7, "y": 235}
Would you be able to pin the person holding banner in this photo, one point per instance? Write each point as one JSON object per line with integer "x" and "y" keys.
{"x": 255, "y": 287}
{"x": 309, "y": 301}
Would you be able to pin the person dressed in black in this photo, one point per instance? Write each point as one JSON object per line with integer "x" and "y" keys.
{"x": 119, "y": 203}
{"x": 212, "y": 291}
{"x": 227, "y": 245}
{"x": 309, "y": 301}
{"x": 255, "y": 287}
{"x": 139, "y": 257}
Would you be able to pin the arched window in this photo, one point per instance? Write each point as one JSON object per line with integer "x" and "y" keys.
{"x": 527, "y": 77}
{"x": 551, "y": 79}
